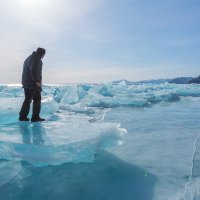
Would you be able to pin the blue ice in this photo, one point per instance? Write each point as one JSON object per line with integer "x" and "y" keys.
{"x": 102, "y": 141}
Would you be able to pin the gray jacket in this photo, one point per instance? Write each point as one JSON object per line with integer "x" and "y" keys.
{"x": 32, "y": 71}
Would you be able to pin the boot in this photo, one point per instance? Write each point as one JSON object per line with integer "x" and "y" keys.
{"x": 22, "y": 118}
{"x": 37, "y": 119}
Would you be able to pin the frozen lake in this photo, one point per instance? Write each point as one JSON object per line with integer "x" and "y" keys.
{"x": 138, "y": 142}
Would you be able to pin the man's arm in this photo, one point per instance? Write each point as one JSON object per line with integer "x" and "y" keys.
{"x": 34, "y": 68}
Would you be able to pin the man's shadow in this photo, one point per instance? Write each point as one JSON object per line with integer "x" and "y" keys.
{"x": 32, "y": 133}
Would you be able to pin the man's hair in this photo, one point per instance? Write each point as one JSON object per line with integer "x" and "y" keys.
{"x": 40, "y": 51}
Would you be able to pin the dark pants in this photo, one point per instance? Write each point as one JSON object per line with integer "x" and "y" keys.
{"x": 31, "y": 94}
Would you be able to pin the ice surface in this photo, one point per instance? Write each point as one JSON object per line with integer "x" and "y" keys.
{"x": 159, "y": 158}
{"x": 56, "y": 143}
{"x": 163, "y": 141}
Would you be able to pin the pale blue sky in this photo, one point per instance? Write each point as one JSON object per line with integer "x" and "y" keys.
{"x": 101, "y": 40}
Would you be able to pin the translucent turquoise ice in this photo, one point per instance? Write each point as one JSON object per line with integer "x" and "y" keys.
{"x": 120, "y": 142}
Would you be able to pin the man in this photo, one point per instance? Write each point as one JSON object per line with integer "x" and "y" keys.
{"x": 32, "y": 84}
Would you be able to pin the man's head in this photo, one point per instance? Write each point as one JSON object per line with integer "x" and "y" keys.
{"x": 41, "y": 52}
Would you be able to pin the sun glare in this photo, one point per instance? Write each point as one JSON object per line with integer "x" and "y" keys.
{"x": 33, "y": 10}
{"x": 33, "y": 3}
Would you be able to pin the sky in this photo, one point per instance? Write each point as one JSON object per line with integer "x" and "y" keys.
{"x": 101, "y": 40}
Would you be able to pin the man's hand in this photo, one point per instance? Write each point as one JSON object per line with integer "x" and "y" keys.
{"x": 39, "y": 84}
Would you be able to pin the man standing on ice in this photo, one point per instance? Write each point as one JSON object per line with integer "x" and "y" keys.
{"x": 32, "y": 84}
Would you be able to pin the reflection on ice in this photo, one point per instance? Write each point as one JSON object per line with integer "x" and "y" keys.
{"x": 55, "y": 143}
{"x": 32, "y": 134}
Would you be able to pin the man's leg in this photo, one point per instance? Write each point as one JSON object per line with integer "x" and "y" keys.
{"x": 36, "y": 107}
{"x": 26, "y": 104}
{"x": 36, "y": 103}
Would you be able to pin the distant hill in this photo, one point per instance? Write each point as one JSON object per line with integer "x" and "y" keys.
{"x": 195, "y": 80}
{"x": 181, "y": 80}
{"x": 178, "y": 80}
{"x": 156, "y": 81}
